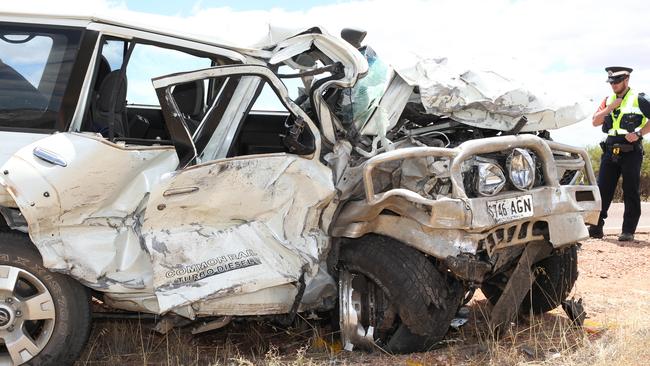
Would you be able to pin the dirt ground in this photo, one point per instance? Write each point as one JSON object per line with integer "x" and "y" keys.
{"x": 614, "y": 277}
{"x": 613, "y": 282}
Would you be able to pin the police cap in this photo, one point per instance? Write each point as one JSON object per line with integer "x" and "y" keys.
{"x": 617, "y": 73}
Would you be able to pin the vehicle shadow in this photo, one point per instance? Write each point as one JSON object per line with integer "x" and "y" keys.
{"x": 641, "y": 241}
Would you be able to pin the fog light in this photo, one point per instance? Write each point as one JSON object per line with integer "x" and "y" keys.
{"x": 522, "y": 169}
{"x": 490, "y": 179}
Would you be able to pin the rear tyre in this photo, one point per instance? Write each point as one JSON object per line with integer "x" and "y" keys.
{"x": 44, "y": 316}
{"x": 391, "y": 296}
{"x": 556, "y": 276}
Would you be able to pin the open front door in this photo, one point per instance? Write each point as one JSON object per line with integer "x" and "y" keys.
{"x": 228, "y": 223}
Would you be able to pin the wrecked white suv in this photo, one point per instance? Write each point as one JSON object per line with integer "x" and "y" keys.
{"x": 387, "y": 196}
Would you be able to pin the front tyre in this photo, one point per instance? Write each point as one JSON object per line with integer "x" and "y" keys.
{"x": 44, "y": 316}
{"x": 391, "y": 296}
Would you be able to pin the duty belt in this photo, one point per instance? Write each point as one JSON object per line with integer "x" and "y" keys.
{"x": 618, "y": 132}
{"x": 620, "y": 148}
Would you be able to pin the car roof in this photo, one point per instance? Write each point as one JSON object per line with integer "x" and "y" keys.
{"x": 83, "y": 20}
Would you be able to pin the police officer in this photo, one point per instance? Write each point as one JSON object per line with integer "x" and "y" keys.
{"x": 623, "y": 116}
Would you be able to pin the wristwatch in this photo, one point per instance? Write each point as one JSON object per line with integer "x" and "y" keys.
{"x": 638, "y": 134}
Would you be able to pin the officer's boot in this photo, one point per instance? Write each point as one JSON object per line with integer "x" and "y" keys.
{"x": 596, "y": 231}
{"x": 626, "y": 237}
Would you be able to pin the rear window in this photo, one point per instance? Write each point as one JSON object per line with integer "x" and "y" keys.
{"x": 35, "y": 65}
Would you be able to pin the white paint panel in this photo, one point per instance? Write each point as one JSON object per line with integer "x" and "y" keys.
{"x": 263, "y": 302}
{"x": 238, "y": 226}
{"x": 14, "y": 141}
{"x": 85, "y": 217}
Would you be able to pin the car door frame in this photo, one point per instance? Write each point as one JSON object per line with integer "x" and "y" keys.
{"x": 103, "y": 30}
{"x": 180, "y": 134}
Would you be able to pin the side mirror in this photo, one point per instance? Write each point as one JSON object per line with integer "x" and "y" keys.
{"x": 353, "y": 36}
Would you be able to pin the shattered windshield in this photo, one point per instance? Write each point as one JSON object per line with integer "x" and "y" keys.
{"x": 358, "y": 103}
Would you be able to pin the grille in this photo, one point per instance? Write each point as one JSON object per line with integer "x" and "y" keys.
{"x": 512, "y": 234}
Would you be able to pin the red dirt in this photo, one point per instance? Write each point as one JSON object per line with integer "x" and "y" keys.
{"x": 614, "y": 277}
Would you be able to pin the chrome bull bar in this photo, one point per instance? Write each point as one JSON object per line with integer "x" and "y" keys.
{"x": 543, "y": 149}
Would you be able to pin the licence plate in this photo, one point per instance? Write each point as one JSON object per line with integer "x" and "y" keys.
{"x": 510, "y": 209}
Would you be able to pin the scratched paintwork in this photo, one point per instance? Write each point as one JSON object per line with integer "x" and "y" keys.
{"x": 269, "y": 206}
{"x": 87, "y": 225}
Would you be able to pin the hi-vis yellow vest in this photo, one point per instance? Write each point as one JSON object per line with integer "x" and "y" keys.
{"x": 629, "y": 105}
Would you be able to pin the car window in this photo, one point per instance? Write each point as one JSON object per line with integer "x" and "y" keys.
{"x": 113, "y": 52}
{"x": 268, "y": 100}
{"x": 147, "y": 62}
{"x": 123, "y": 98}
{"x": 35, "y": 65}
{"x": 232, "y": 126}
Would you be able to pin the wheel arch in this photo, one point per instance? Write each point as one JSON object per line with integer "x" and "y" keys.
{"x": 439, "y": 243}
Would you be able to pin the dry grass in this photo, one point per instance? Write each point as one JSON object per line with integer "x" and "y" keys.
{"x": 132, "y": 342}
{"x": 624, "y": 340}
{"x": 550, "y": 339}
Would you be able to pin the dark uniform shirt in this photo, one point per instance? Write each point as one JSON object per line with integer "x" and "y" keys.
{"x": 644, "y": 106}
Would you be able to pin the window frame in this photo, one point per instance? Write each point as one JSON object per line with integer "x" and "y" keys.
{"x": 183, "y": 140}
{"x": 150, "y": 41}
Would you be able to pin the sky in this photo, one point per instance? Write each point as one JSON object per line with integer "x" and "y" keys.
{"x": 177, "y": 8}
{"x": 557, "y": 49}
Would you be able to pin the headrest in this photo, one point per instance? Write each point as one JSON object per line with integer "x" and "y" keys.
{"x": 189, "y": 97}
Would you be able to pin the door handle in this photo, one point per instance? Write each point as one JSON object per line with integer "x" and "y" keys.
{"x": 177, "y": 191}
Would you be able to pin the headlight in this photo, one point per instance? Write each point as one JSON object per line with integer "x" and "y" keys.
{"x": 522, "y": 169}
{"x": 490, "y": 179}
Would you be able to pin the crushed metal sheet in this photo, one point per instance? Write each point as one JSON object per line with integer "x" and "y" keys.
{"x": 484, "y": 98}
{"x": 218, "y": 241}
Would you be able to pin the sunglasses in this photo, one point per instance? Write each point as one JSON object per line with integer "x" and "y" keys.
{"x": 617, "y": 81}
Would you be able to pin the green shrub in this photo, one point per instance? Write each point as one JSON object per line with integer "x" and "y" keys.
{"x": 595, "y": 153}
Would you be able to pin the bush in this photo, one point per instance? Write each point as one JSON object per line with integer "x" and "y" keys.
{"x": 595, "y": 153}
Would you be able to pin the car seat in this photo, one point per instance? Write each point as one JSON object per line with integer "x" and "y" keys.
{"x": 109, "y": 105}
{"x": 189, "y": 99}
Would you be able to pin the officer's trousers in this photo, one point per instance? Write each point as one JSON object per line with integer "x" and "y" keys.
{"x": 627, "y": 165}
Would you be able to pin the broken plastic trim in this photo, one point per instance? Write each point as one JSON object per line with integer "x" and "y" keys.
{"x": 291, "y": 140}
{"x": 14, "y": 219}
